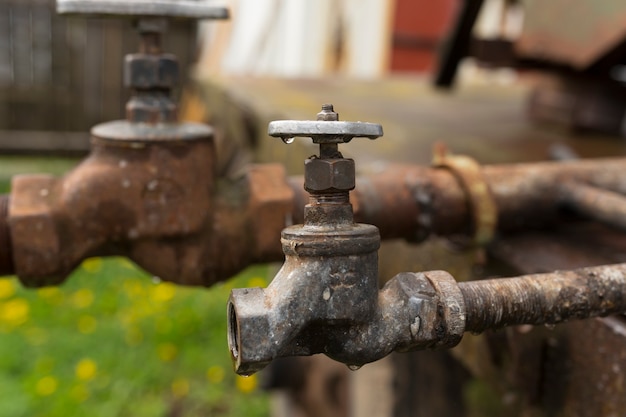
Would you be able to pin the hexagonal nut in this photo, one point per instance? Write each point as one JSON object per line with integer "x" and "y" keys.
{"x": 143, "y": 71}
{"x": 249, "y": 330}
{"x": 151, "y": 110}
{"x": 329, "y": 175}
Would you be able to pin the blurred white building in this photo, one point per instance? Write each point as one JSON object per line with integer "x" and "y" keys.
{"x": 301, "y": 38}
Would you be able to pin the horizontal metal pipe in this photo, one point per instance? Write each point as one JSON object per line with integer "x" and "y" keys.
{"x": 544, "y": 298}
{"x": 412, "y": 202}
{"x": 604, "y": 206}
{"x": 6, "y": 251}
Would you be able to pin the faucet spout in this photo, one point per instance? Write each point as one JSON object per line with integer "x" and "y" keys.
{"x": 413, "y": 311}
{"x": 329, "y": 281}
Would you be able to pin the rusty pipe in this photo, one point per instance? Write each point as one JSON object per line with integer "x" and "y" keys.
{"x": 544, "y": 298}
{"x": 607, "y": 207}
{"x": 6, "y": 249}
{"x": 205, "y": 233}
{"x": 413, "y": 202}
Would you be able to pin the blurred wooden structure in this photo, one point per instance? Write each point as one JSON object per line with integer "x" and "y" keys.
{"x": 59, "y": 76}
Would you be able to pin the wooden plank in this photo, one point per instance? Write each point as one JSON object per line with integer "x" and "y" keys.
{"x": 23, "y": 141}
{"x": 92, "y": 71}
{"x": 112, "y": 104}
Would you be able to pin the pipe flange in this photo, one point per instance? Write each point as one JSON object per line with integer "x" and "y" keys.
{"x": 451, "y": 308}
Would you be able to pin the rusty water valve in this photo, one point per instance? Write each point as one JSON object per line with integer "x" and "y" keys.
{"x": 150, "y": 73}
{"x": 328, "y": 177}
{"x": 325, "y": 298}
{"x": 146, "y": 190}
{"x": 330, "y": 172}
{"x": 330, "y": 274}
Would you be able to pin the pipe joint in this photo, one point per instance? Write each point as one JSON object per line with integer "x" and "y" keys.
{"x": 303, "y": 313}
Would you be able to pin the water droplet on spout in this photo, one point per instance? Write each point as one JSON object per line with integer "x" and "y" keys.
{"x": 288, "y": 140}
{"x": 326, "y": 294}
{"x": 354, "y": 367}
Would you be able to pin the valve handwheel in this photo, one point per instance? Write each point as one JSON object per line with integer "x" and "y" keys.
{"x": 151, "y": 74}
{"x": 326, "y": 129}
{"x": 142, "y": 8}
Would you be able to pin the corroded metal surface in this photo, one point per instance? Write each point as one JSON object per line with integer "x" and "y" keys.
{"x": 489, "y": 124}
{"x": 116, "y": 196}
{"x": 269, "y": 207}
{"x": 604, "y": 206}
{"x": 303, "y": 313}
{"x": 545, "y": 298}
{"x": 428, "y": 201}
{"x": 330, "y": 274}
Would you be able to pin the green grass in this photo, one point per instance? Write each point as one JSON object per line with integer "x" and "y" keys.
{"x": 112, "y": 342}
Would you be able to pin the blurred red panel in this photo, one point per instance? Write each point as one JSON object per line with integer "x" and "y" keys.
{"x": 419, "y": 27}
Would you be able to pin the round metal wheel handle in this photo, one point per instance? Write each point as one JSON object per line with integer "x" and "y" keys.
{"x": 137, "y": 8}
{"x": 323, "y": 131}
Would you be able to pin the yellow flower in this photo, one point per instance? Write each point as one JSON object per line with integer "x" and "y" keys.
{"x": 7, "y": 288}
{"x": 257, "y": 282}
{"x": 86, "y": 369}
{"x": 167, "y": 352}
{"x": 14, "y": 312}
{"x": 215, "y": 374}
{"x": 87, "y": 324}
{"x": 246, "y": 384}
{"x": 82, "y": 298}
{"x": 92, "y": 265}
{"x": 163, "y": 292}
{"x": 46, "y": 386}
{"x": 180, "y": 388}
